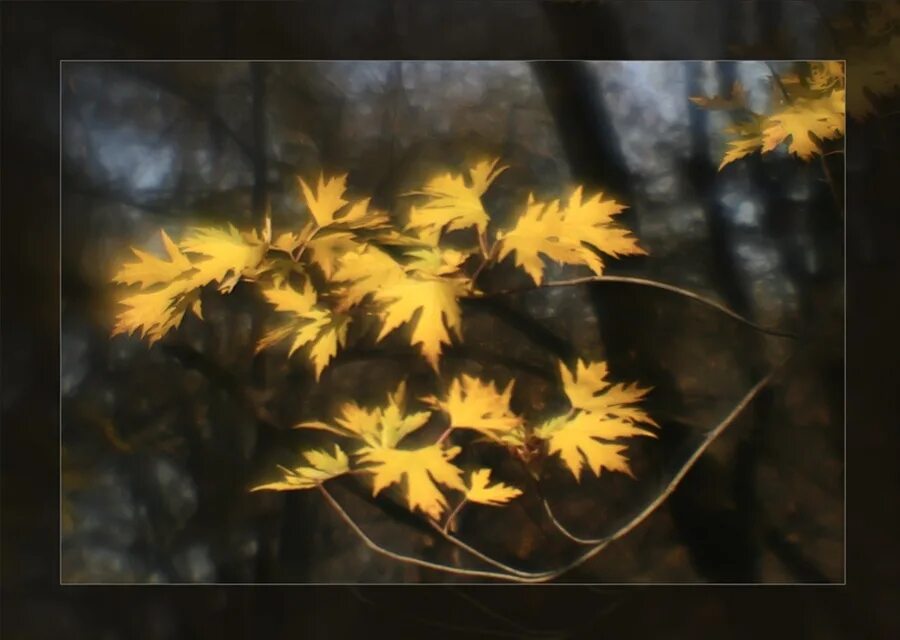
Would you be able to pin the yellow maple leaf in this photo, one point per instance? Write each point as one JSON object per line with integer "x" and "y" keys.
{"x": 600, "y": 410}
{"x": 561, "y": 234}
{"x": 326, "y": 250}
{"x": 360, "y": 216}
{"x": 380, "y": 427}
{"x": 154, "y": 313}
{"x": 365, "y": 271}
{"x": 495, "y": 495}
{"x": 322, "y": 466}
{"x": 327, "y": 199}
{"x": 424, "y": 469}
{"x": 480, "y": 406}
{"x": 151, "y": 270}
{"x": 587, "y": 389}
{"x": 590, "y": 222}
{"x": 423, "y": 293}
{"x": 229, "y": 254}
{"x": 452, "y": 203}
{"x": 573, "y": 438}
{"x": 429, "y": 304}
{"x": 822, "y": 117}
{"x": 309, "y": 324}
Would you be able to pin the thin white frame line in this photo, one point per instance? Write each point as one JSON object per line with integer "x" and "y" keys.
{"x": 486, "y": 584}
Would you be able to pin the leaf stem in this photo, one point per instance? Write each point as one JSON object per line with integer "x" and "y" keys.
{"x": 489, "y": 257}
{"x": 306, "y": 243}
{"x": 444, "y": 435}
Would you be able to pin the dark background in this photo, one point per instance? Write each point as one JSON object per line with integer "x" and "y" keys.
{"x": 36, "y": 36}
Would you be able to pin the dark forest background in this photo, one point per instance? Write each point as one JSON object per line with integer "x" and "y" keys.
{"x": 154, "y": 484}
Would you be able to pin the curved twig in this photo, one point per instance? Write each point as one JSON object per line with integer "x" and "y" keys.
{"x": 531, "y": 576}
{"x": 374, "y": 546}
{"x": 563, "y": 530}
{"x": 654, "y": 284}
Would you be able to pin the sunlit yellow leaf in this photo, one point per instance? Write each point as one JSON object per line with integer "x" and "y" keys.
{"x": 473, "y": 404}
{"x": 453, "y": 203}
{"x": 229, "y": 255}
{"x": 600, "y": 410}
{"x": 322, "y": 466}
{"x": 429, "y": 304}
{"x": 326, "y": 250}
{"x": 562, "y": 234}
{"x": 309, "y": 324}
{"x": 150, "y": 270}
{"x": 495, "y": 495}
{"x": 573, "y": 438}
{"x": 154, "y": 313}
{"x": 327, "y": 199}
{"x": 588, "y": 390}
{"x": 384, "y": 426}
{"x": 423, "y": 469}
{"x": 366, "y": 271}
{"x": 361, "y": 216}
{"x": 821, "y": 117}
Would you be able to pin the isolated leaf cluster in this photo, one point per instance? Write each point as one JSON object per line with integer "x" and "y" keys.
{"x": 806, "y": 109}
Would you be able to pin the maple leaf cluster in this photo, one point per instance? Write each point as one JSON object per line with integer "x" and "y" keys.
{"x": 807, "y": 110}
{"x": 587, "y": 437}
{"x": 349, "y": 262}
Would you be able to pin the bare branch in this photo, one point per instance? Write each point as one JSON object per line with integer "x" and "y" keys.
{"x": 649, "y": 283}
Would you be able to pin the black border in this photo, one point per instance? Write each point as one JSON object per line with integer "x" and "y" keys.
{"x": 36, "y": 36}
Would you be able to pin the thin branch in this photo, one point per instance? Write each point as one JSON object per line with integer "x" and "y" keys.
{"x": 563, "y": 530}
{"x": 777, "y": 79}
{"x": 444, "y": 435}
{"x": 489, "y": 256}
{"x": 454, "y": 513}
{"x": 531, "y": 576}
{"x": 657, "y": 285}
{"x": 374, "y": 546}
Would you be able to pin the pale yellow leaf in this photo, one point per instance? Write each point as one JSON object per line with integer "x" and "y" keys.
{"x": 480, "y": 406}
{"x": 429, "y": 304}
{"x": 573, "y": 438}
{"x": 309, "y": 324}
{"x": 453, "y": 203}
{"x": 154, "y": 313}
{"x": 822, "y": 117}
{"x": 495, "y": 495}
{"x": 423, "y": 470}
{"x": 385, "y": 426}
{"x": 326, "y": 250}
{"x": 327, "y": 199}
{"x": 547, "y": 230}
{"x": 229, "y": 255}
{"x": 322, "y": 466}
{"x": 151, "y": 270}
